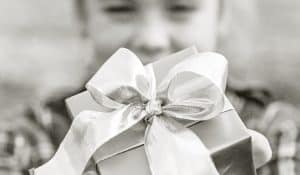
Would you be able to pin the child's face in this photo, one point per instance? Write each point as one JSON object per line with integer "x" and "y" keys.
{"x": 151, "y": 28}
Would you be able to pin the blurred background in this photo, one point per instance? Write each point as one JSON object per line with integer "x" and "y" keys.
{"x": 39, "y": 49}
{"x": 43, "y": 58}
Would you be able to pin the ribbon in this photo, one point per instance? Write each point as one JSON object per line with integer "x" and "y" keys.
{"x": 191, "y": 91}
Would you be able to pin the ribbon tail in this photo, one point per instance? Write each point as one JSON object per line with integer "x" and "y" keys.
{"x": 172, "y": 149}
{"x": 89, "y": 131}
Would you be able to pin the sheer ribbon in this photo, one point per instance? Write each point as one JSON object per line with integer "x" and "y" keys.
{"x": 191, "y": 91}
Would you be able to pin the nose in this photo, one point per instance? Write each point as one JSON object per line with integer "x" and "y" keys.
{"x": 151, "y": 38}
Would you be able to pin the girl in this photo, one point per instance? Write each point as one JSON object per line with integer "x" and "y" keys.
{"x": 153, "y": 29}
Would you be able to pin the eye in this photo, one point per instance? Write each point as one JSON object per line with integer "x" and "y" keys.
{"x": 181, "y": 11}
{"x": 181, "y": 8}
{"x": 120, "y": 9}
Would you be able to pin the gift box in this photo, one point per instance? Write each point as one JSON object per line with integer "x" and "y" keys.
{"x": 225, "y": 135}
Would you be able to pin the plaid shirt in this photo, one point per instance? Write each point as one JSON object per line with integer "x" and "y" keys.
{"x": 278, "y": 121}
{"x": 29, "y": 136}
{"x": 23, "y": 143}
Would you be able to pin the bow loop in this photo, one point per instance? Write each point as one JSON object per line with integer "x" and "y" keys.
{"x": 192, "y": 96}
{"x": 212, "y": 66}
{"x": 122, "y": 80}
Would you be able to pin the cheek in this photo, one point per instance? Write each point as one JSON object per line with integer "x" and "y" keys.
{"x": 201, "y": 34}
{"x": 108, "y": 36}
{"x": 200, "y": 30}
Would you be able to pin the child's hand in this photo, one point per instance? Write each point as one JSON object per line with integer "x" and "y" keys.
{"x": 281, "y": 124}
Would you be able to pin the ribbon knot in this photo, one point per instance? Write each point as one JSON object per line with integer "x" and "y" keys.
{"x": 153, "y": 108}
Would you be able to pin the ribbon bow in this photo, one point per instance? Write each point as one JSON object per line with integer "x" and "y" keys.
{"x": 131, "y": 95}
